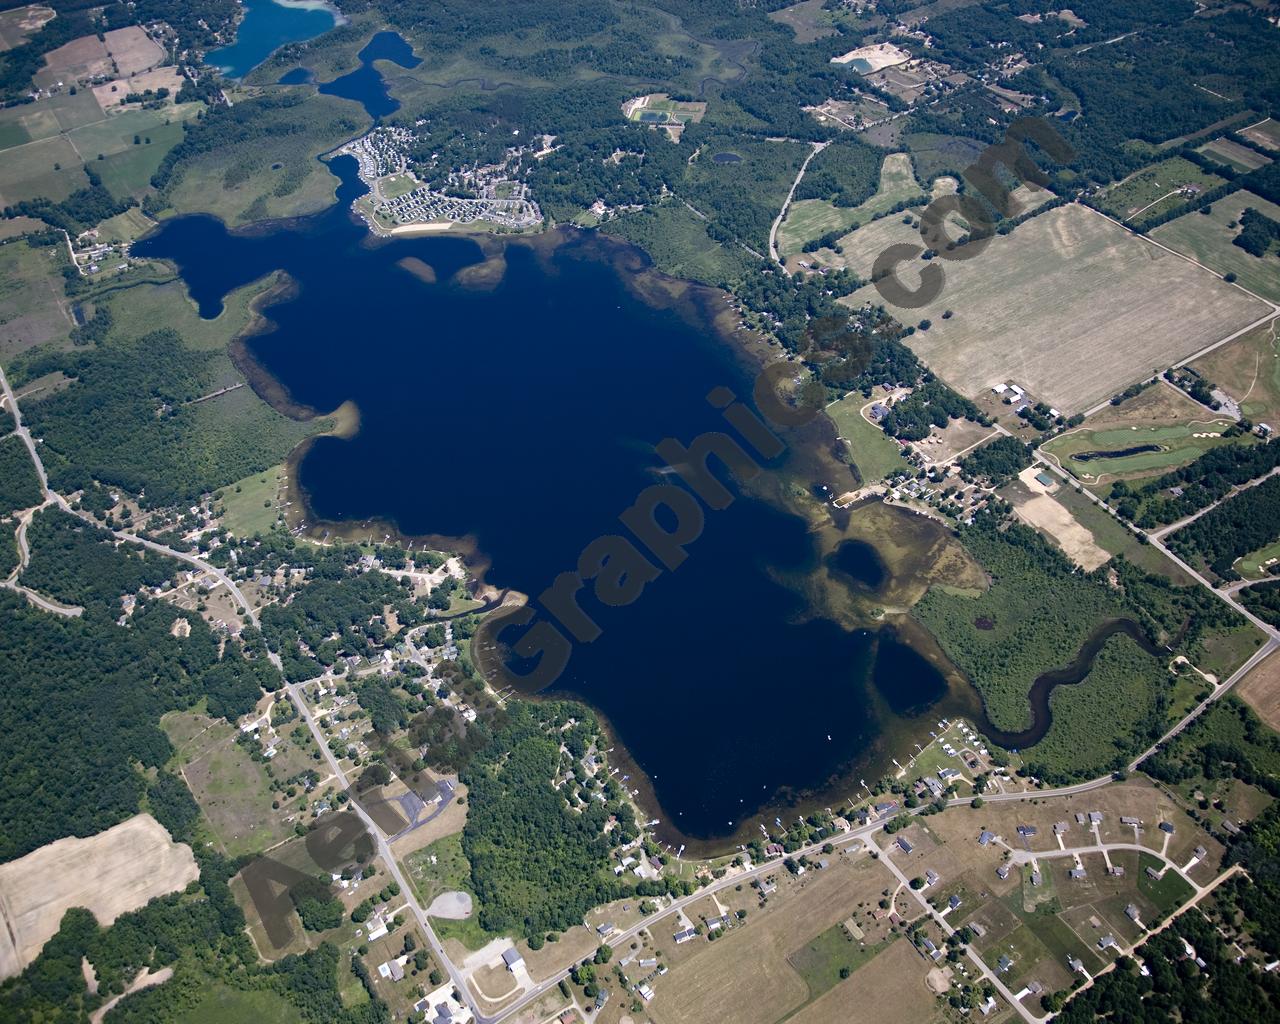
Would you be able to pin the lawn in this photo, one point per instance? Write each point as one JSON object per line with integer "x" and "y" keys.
{"x": 1069, "y": 305}
{"x": 820, "y": 961}
{"x": 1157, "y": 189}
{"x": 251, "y": 503}
{"x": 808, "y": 219}
{"x": 1208, "y": 239}
{"x": 1167, "y": 893}
{"x": 876, "y": 454}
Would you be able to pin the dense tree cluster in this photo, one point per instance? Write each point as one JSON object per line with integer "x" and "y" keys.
{"x": 1258, "y": 233}
{"x": 1201, "y": 483}
{"x": 1244, "y": 523}
{"x": 19, "y": 485}
{"x": 998, "y": 462}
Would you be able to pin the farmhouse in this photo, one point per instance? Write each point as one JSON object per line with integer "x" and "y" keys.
{"x": 512, "y": 959}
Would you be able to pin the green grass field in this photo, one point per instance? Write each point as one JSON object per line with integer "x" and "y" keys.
{"x": 1166, "y": 893}
{"x": 813, "y": 218}
{"x": 1208, "y": 239}
{"x": 50, "y": 167}
{"x": 1117, "y": 540}
{"x": 251, "y": 502}
{"x": 875, "y": 453}
{"x": 1146, "y": 194}
{"x": 1254, "y": 565}
{"x": 821, "y": 959}
{"x": 32, "y": 301}
{"x": 1178, "y": 445}
{"x": 220, "y": 1003}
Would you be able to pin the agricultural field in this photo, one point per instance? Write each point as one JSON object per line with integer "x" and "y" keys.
{"x": 860, "y": 248}
{"x": 812, "y": 218}
{"x": 1260, "y": 689}
{"x": 750, "y": 974}
{"x": 1248, "y": 369}
{"x": 110, "y": 873}
{"x": 1234, "y": 155}
{"x": 49, "y": 167}
{"x": 875, "y": 453}
{"x": 1158, "y": 189}
{"x": 1208, "y": 239}
{"x": 33, "y": 309}
{"x": 941, "y": 154}
{"x": 1265, "y": 133}
{"x": 1071, "y": 306}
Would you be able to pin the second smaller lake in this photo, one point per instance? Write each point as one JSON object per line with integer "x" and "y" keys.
{"x": 366, "y": 85}
{"x": 268, "y": 25}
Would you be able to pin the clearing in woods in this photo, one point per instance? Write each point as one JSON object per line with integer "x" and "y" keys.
{"x": 1264, "y": 133}
{"x": 1209, "y": 240}
{"x": 1234, "y": 155}
{"x": 18, "y": 25}
{"x": 1071, "y": 306}
{"x": 111, "y": 873}
{"x": 1158, "y": 189}
{"x": 1035, "y": 504}
{"x": 1249, "y": 371}
{"x": 1261, "y": 690}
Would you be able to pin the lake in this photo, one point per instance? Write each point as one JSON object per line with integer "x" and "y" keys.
{"x": 366, "y": 85}
{"x": 266, "y": 26}
{"x": 521, "y": 412}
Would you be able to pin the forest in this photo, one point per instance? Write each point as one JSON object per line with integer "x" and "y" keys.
{"x": 1202, "y": 482}
{"x": 998, "y": 461}
{"x": 19, "y": 485}
{"x": 1258, "y": 233}
{"x": 1246, "y": 522}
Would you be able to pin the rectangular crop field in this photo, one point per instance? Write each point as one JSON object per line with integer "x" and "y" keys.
{"x": 1208, "y": 239}
{"x": 1071, "y": 306}
{"x": 50, "y": 167}
{"x": 1242, "y": 158}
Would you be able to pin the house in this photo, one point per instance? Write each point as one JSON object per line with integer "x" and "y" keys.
{"x": 1000, "y": 389}
{"x": 1027, "y": 831}
{"x": 775, "y": 850}
{"x": 1199, "y": 853}
{"x": 767, "y": 887}
{"x": 512, "y": 959}
{"x": 602, "y": 997}
{"x": 935, "y": 787}
{"x": 953, "y": 902}
{"x": 646, "y": 993}
{"x": 1095, "y": 817}
{"x": 886, "y": 807}
{"x": 878, "y": 412}
{"x": 377, "y": 927}
{"x": 823, "y": 864}
{"x": 977, "y": 929}
{"x": 391, "y": 969}
{"x": 1077, "y": 873}
{"x": 1116, "y": 871}
{"x": 1130, "y": 821}
{"x": 1002, "y": 872}
{"x": 605, "y": 929}
{"x": 946, "y": 774}
{"x": 1080, "y": 819}
{"x": 986, "y": 1008}
{"x": 930, "y": 878}
{"x": 683, "y": 936}
{"x": 1106, "y": 942}
{"x": 985, "y": 838}
{"x": 903, "y": 845}
{"x": 714, "y": 923}
{"x": 648, "y": 963}
{"x": 1166, "y": 827}
{"x": 1131, "y": 912}
{"x": 1060, "y": 828}
{"x": 1152, "y": 872}
{"x": 1036, "y": 879}
{"x": 1003, "y": 964}
{"x": 1076, "y": 965}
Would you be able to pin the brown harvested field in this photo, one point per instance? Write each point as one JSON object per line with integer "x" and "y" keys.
{"x": 1264, "y": 133}
{"x": 1261, "y": 689}
{"x": 1248, "y": 370}
{"x": 111, "y": 873}
{"x": 133, "y": 50}
{"x": 745, "y": 976}
{"x": 1154, "y": 406}
{"x": 956, "y": 438}
{"x": 111, "y": 94}
{"x": 890, "y": 988}
{"x": 1035, "y": 504}
{"x": 86, "y": 57}
{"x": 1071, "y": 306}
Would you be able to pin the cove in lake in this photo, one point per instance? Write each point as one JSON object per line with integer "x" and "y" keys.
{"x": 523, "y": 416}
{"x": 366, "y": 85}
{"x": 266, "y": 26}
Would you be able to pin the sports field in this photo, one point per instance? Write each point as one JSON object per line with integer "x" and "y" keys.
{"x": 813, "y": 218}
{"x": 1072, "y": 307}
{"x": 1248, "y": 370}
{"x": 1208, "y": 240}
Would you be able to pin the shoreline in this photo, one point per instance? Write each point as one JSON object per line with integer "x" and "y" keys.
{"x": 809, "y": 460}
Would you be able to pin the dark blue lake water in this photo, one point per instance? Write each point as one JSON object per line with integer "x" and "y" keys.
{"x": 265, "y": 28}
{"x": 366, "y": 85}
{"x": 525, "y": 417}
